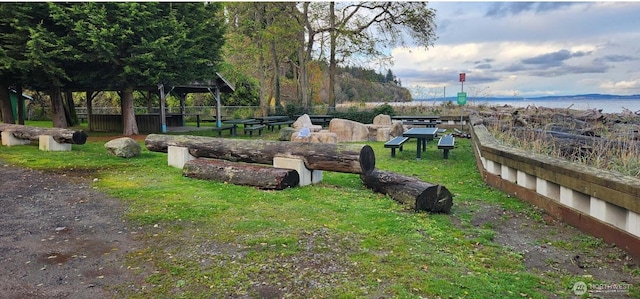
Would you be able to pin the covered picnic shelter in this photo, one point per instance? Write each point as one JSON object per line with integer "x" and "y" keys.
{"x": 158, "y": 122}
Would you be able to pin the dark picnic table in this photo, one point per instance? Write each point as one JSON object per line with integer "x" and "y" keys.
{"x": 275, "y": 120}
{"x": 418, "y": 120}
{"x": 271, "y": 118}
{"x": 244, "y": 122}
{"x": 423, "y": 135}
{"x": 321, "y": 119}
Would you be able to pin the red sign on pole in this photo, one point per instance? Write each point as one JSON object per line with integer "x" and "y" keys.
{"x": 462, "y": 77}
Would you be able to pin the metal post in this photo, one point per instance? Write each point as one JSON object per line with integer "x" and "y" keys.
{"x": 461, "y": 110}
{"x": 163, "y": 119}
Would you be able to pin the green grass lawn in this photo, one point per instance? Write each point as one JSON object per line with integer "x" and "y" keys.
{"x": 335, "y": 239}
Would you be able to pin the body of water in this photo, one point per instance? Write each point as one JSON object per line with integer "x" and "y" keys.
{"x": 606, "y": 105}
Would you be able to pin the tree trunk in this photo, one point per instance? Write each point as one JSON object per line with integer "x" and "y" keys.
{"x": 130, "y": 126}
{"x": 261, "y": 176}
{"x": 343, "y": 157}
{"x": 32, "y": 133}
{"x": 5, "y": 105}
{"x": 304, "y": 52}
{"x": 419, "y": 195}
{"x": 57, "y": 109}
{"x": 276, "y": 74}
{"x": 20, "y": 104}
{"x": 332, "y": 58}
{"x": 259, "y": 15}
{"x": 70, "y": 109}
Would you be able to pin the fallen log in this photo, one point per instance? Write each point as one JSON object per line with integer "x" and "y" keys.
{"x": 419, "y": 195}
{"x": 33, "y": 133}
{"x": 342, "y": 157}
{"x": 261, "y": 176}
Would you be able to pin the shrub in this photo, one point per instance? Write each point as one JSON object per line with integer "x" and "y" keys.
{"x": 384, "y": 109}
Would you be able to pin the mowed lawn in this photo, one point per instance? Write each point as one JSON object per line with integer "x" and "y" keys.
{"x": 335, "y": 239}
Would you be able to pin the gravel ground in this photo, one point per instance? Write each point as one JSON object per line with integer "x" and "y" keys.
{"x": 59, "y": 238}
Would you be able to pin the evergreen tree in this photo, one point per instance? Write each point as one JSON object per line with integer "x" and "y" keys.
{"x": 128, "y": 45}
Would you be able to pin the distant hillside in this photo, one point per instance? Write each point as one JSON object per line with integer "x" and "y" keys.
{"x": 348, "y": 89}
{"x": 352, "y": 89}
{"x": 593, "y": 96}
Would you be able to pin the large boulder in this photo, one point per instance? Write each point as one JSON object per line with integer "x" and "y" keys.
{"x": 323, "y": 136}
{"x": 382, "y": 120}
{"x": 348, "y": 130}
{"x": 285, "y": 133}
{"x": 396, "y": 129}
{"x": 373, "y": 132}
{"x": 124, "y": 147}
{"x": 304, "y": 121}
{"x": 382, "y": 134}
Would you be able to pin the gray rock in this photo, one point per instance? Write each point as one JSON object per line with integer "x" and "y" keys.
{"x": 124, "y": 147}
{"x": 285, "y": 133}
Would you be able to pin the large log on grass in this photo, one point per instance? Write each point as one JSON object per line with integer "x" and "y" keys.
{"x": 32, "y": 133}
{"x": 261, "y": 176}
{"x": 341, "y": 157}
{"x": 421, "y": 196}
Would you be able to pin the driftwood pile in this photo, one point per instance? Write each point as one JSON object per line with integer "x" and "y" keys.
{"x": 573, "y": 133}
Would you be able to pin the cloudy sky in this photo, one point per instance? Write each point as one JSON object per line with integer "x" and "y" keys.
{"x": 527, "y": 49}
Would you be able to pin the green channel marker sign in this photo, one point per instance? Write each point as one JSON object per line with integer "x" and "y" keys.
{"x": 462, "y": 98}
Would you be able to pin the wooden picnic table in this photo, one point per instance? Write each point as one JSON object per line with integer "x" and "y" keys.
{"x": 423, "y": 135}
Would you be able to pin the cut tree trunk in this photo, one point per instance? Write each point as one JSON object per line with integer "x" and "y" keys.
{"x": 261, "y": 176}
{"x": 419, "y": 195}
{"x": 343, "y": 157}
{"x": 32, "y": 133}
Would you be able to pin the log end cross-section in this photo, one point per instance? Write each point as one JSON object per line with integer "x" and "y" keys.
{"x": 419, "y": 195}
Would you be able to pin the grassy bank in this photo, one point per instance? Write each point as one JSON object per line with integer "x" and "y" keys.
{"x": 335, "y": 239}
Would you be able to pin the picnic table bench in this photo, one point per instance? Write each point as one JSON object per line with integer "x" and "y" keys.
{"x": 231, "y": 128}
{"x": 446, "y": 143}
{"x": 251, "y": 126}
{"x": 272, "y": 125}
{"x": 395, "y": 143}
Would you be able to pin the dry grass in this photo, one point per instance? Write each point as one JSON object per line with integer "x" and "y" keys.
{"x": 614, "y": 150}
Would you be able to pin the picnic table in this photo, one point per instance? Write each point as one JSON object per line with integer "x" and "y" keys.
{"x": 271, "y": 118}
{"x": 419, "y": 120}
{"x": 423, "y": 135}
{"x": 321, "y": 119}
{"x": 275, "y": 120}
{"x": 235, "y": 122}
{"x": 200, "y": 119}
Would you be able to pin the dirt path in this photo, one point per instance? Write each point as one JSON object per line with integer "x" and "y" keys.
{"x": 59, "y": 238}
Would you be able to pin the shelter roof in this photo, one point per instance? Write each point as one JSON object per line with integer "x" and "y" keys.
{"x": 203, "y": 86}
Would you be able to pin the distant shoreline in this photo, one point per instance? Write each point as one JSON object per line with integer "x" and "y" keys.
{"x": 605, "y": 105}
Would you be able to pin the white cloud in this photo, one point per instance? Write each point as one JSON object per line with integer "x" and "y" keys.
{"x": 529, "y": 49}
